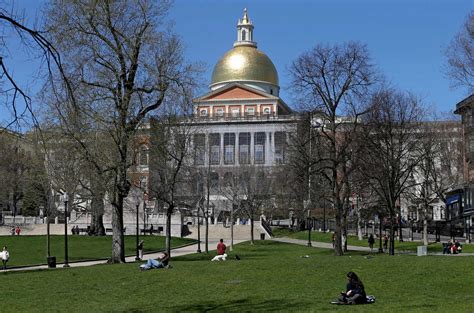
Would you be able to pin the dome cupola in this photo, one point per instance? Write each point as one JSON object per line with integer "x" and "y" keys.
{"x": 244, "y": 63}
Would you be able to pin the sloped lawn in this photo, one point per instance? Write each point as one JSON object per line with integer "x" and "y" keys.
{"x": 270, "y": 276}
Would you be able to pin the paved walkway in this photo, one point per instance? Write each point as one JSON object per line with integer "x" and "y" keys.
{"x": 189, "y": 249}
{"x": 325, "y": 245}
{"x": 192, "y": 248}
{"x": 317, "y": 244}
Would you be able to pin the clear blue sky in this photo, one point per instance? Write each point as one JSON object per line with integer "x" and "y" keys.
{"x": 406, "y": 38}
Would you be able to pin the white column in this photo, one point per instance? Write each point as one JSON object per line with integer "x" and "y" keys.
{"x": 207, "y": 151}
{"x": 268, "y": 157}
{"x": 221, "y": 149}
{"x": 237, "y": 149}
{"x": 252, "y": 148}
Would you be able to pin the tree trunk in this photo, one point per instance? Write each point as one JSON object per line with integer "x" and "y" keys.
{"x": 48, "y": 236}
{"x": 392, "y": 237}
{"x": 97, "y": 214}
{"x": 359, "y": 225}
{"x": 338, "y": 249}
{"x": 252, "y": 238}
{"x": 425, "y": 231}
{"x": 181, "y": 226}
{"x": 118, "y": 253}
{"x": 169, "y": 212}
{"x": 344, "y": 227}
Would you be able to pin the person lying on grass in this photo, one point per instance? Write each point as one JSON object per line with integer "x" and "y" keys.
{"x": 160, "y": 262}
{"x": 355, "y": 292}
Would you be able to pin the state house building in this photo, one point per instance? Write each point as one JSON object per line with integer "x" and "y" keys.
{"x": 241, "y": 121}
{"x": 245, "y": 120}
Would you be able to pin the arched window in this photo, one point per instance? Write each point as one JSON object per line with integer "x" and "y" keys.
{"x": 143, "y": 156}
{"x": 244, "y": 35}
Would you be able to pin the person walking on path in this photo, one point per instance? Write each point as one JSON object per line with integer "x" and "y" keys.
{"x": 221, "y": 247}
{"x": 5, "y": 256}
{"x": 371, "y": 242}
{"x": 18, "y": 230}
{"x": 140, "y": 249}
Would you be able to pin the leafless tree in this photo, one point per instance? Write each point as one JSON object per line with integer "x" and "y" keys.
{"x": 460, "y": 54}
{"x": 439, "y": 169}
{"x": 391, "y": 152}
{"x": 232, "y": 190}
{"x": 256, "y": 189}
{"x": 122, "y": 62}
{"x": 332, "y": 81}
{"x": 248, "y": 188}
{"x": 14, "y": 96}
{"x": 170, "y": 175}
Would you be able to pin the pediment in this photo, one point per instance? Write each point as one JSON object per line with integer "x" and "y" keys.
{"x": 235, "y": 91}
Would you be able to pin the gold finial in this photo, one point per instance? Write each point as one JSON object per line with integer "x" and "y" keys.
{"x": 245, "y": 19}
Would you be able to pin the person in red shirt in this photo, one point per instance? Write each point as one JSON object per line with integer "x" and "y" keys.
{"x": 221, "y": 247}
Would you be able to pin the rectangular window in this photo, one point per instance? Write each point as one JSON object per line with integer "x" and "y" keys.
{"x": 229, "y": 148}
{"x": 244, "y": 148}
{"x": 215, "y": 147}
{"x": 199, "y": 149}
{"x": 220, "y": 112}
{"x": 250, "y": 111}
{"x": 259, "y": 148}
{"x": 235, "y": 112}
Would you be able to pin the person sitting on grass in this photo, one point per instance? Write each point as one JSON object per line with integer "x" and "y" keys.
{"x": 355, "y": 292}
{"x": 454, "y": 248}
{"x": 458, "y": 246}
{"x": 447, "y": 247}
{"x": 160, "y": 262}
{"x": 221, "y": 247}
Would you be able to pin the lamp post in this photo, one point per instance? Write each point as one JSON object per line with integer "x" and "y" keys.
{"x": 324, "y": 215}
{"x": 308, "y": 203}
{"x": 308, "y": 224}
{"x": 144, "y": 219}
{"x": 137, "y": 257}
{"x": 199, "y": 227}
{"x": 66, "y": 257}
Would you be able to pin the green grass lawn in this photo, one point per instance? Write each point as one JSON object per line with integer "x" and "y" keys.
{"x": 31, "y": 250}
{"x": 270, "y": 276}
{"x": 354, "y": 241}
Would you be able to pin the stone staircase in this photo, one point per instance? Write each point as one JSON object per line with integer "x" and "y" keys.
{"x": 241, "y": 232}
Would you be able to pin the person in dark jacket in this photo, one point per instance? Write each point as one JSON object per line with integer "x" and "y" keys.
{"x": 371, "y": 242}
{"x": 355, "y": 292}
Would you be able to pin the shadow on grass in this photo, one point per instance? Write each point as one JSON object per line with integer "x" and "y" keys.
{"x": 243, "y": 305}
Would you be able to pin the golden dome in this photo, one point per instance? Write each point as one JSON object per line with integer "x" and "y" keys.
{"x": 245, "y": 63}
